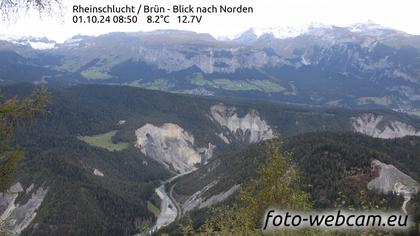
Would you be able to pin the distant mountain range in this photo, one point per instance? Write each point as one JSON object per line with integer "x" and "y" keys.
{"x": 364, "y": 65}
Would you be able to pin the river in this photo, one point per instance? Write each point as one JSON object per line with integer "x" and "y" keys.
{"x": 168, "y": 210}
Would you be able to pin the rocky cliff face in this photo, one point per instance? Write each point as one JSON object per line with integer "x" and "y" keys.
{"x": 376, "y": 126}
{"x": 172, "y": 146}
{"x": 170, "y": 51}
{"x": 250, "y": 128}
{"x": 392, "y": 180}
{"x": 199, "y": 201}
{"x": 18, "y": 215}
{"x": 207, "y": 59}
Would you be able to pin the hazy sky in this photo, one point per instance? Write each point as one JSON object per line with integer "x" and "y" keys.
{"x": 399, "y": 14}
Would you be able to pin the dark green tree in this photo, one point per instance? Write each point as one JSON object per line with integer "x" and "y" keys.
{"x": 12, "y": 111}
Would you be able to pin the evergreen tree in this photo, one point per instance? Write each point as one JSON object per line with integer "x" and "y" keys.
{"x": 11, "y": 112}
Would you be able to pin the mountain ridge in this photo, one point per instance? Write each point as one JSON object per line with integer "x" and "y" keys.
{"x": 364, "y": 66}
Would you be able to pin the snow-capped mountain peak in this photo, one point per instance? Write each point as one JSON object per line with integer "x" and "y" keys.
{"x": 41, "y": 43}
{"x": 282, "y": 32}
{"x": 368, "y": 28}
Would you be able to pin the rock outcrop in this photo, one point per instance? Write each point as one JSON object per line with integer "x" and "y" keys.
{"x": 98, "y": 173}
{"x": 17, "y": 216}
{"x": 376, "y": 126}
{"x": 392, "y": 180}
{"x": 172, "y": 146}
{"x": 248, "y": 129}
{"x": 198, "y": 199}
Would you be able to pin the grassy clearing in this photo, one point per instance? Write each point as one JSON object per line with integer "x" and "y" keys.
{"x": 159, "y": 84}
{"x": 104, "y": 141}
{"x": 135, "y": 83}
{"x": 198, "y": 79}
{"x": 95, "y": 74}
{"x": 383, "y": 101}
{"x": 415, "y": 113}
{"x": 267, "y": 86}
{"x": 237, "y": 85}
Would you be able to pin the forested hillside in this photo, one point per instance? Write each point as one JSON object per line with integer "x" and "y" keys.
{"x": 87, "y": 169}
{"x": 334, "y": 170}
